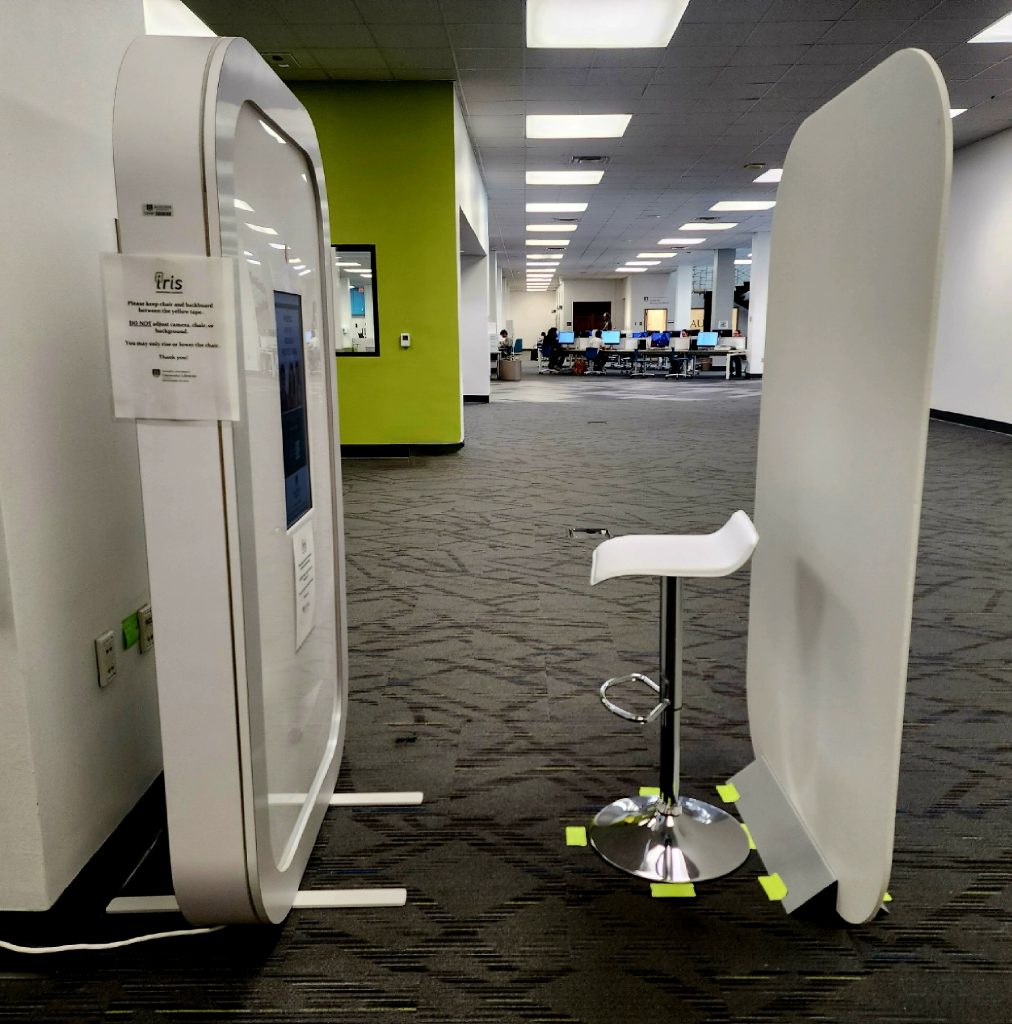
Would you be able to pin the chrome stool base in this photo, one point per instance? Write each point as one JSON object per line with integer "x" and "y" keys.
{"x": 641, "y": 835}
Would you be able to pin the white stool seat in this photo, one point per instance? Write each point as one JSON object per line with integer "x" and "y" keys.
{"x": 709, "y": 554}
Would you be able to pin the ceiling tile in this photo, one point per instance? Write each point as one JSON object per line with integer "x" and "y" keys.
{"x": 301, "y": 12}
{"x": 506, "y": 57}
{"x": 478, "y": 12}
{"x": 854, "y": 54}
{"x": 411, "y": 36}
{"x": 338, "y": 57}
{"x": 487, "y": 35}
{"x": 418, "y": 57}
{"x": 334, "y": 36}
{"x": 786, "y": 33}
{"x": 396, "y": 12}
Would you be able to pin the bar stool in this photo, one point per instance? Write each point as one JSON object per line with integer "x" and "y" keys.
{"x": 670, "y": 837}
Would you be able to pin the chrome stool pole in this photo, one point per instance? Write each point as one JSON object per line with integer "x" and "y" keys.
{"x": 667, "y": 838}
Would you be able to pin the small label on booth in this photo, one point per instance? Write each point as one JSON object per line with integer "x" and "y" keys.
{"x": 171, "y": 323}
{"x": 304, "y": 557}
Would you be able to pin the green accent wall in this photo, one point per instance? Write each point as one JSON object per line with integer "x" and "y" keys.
{"x": 389, "y": 161}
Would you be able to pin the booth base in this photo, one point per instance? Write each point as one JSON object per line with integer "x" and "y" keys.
{"x": 784, "y": 843}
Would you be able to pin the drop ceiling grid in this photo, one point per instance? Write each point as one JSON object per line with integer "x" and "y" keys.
{"x": 732, "y": 87}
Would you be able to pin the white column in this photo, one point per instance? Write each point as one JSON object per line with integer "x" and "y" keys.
{"x": 723, "y": 288}
{"x": 680, "y": 290}
{"x": 473, "y": 326}
{"x": 758, "y": 292}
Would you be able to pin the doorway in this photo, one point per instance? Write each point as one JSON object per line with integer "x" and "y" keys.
{"x": 591, "y": 316}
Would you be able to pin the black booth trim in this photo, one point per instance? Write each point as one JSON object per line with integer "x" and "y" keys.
{"x": 397, "y": 451}
{"x": 972, "y": 421}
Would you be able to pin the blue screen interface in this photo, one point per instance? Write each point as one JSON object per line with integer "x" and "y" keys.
{"x": 707, "y": 339}
{"x": 611, "y": 337}
{"x": 567, "y": 337}
{"x": 294, "y": 423}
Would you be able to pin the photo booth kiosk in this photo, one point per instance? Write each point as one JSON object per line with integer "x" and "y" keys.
{"x": 221, "y": 341}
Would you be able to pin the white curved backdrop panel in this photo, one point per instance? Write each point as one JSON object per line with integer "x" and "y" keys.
{"x": 854, "y": 279}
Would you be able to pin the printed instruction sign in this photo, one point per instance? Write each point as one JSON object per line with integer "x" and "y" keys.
{"x": 304, "y": 556}
{"x": 171, "y": 323}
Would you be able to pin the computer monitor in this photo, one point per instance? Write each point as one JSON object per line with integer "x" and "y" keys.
{"x": 640, "y": 334}
{"x": 659, "y": 339}
{"x": 567, "y": 337}
{"x": 611, "y": 337}
{"x": 706, "y": 339}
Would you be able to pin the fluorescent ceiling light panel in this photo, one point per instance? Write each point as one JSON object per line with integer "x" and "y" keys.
{"x": 556, "y": 207}
{"x": 577, "y": 126}
{"x": 727, "y": 205}
{"x": 655, "y": 255}
{"x": 241, "y": 204}
{"x": 956, "y": 111}
{"x": 630, "y": 270}
{"x": 643, "y": 263}
{"x": 547, "y": 241}
{"x": 771, "y": 177}
{"x": 680, "y": 241}
{"x": 703, "y": 226}
{"x": 743, "y": 263}
{"x": 999, "y": 32}
{"x": 262, "y": 230}
{"x": 602, "y": 24}
{"x": 339, "y": 264}
{"x": 551, "y": 227}
{"x": 564, "y": 177}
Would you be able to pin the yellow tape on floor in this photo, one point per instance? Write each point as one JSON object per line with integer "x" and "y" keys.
{"x": 576, "y": 835}
{"x": 774, "y": 886}
{"x": 650, "y": 791}
{"x": 728, "y": 793}
{"x": 666, "y": 890}
{"x": 751, "y": 841}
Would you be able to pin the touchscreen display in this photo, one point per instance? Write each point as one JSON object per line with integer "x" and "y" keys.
{"x": 292, "y": 384}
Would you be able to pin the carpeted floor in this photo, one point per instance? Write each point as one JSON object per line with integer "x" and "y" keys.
{"x": 477, "y": 646}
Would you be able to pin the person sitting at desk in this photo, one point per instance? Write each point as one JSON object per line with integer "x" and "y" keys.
{"x": 675, "y": 358}
{"x": 554, "y": 352}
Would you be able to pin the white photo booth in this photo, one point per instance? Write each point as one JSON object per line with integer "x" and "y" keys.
{"x": 220, "y": 191}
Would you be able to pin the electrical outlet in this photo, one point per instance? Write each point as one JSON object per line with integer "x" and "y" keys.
{"x": 105, "y": 656}
{"x": 147, "y": 626}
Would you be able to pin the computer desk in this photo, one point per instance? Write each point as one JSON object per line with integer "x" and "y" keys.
{"x": 721, "y": 350}
{"x": 571, "y": 352}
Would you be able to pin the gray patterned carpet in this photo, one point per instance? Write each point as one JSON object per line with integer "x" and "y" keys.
{"x": 476, "y": 649}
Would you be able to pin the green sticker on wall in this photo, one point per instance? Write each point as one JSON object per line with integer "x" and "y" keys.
{"x": 131, "y": 631}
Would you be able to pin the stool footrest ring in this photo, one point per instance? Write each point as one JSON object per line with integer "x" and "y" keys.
{"x": 633, "y": 677}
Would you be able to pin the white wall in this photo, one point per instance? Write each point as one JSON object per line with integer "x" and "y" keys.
{"x": 73, "y": 758}
{"x": 649, "y": 291}
{"x": 587, "y": 289}
{"x": 973, "y": 361}
{"x": 531, "y": 313}
{"x": 472, "y": 312}
{"x": 473, "y": 280}
{"x": 759, "y": 287}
